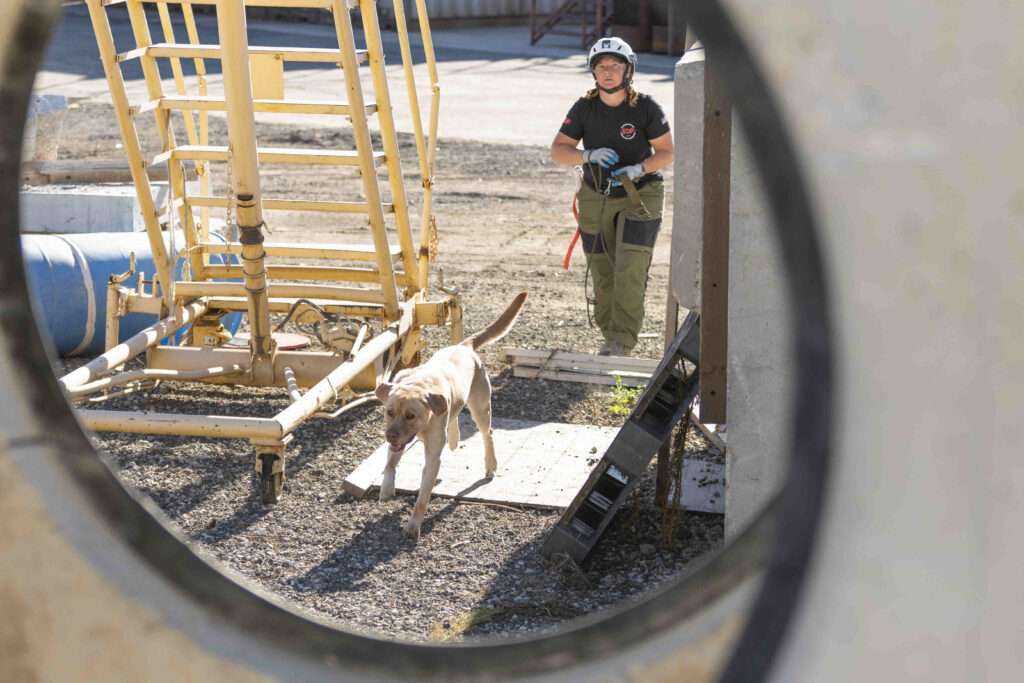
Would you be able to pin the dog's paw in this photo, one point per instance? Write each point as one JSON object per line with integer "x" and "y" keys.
{"x": 489, "y": 474}
{"x": 411, "y": 530}
{"x": 387, "y": 494}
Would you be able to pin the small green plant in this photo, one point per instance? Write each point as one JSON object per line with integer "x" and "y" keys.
{"x": 623, "y": 398}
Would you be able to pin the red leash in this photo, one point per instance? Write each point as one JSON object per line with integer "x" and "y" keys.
{"x": 575, "y": 238}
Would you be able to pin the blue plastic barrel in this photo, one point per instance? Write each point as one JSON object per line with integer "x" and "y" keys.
{"x": 67, "y": 278}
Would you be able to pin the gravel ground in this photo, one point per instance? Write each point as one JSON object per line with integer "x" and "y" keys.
{"x": 476, "y": 570}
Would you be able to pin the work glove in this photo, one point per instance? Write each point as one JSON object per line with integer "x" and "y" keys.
{"x": 632, "y": 172}
{"x": 605, "y": 157}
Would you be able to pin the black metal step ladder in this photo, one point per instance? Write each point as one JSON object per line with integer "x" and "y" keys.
{"x": 670, "y": 392}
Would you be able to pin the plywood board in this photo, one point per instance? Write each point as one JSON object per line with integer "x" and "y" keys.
{"x": 539, "y": 464}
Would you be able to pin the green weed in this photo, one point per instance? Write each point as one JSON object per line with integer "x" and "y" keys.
{"x": 622, "y": 398}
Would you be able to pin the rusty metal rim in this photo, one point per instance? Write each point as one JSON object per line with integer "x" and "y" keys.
{"x": 784, "y": 558}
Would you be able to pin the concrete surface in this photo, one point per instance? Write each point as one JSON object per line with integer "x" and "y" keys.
{"x": 87, "y": 208}
{"x": 482, "y": 70}
{"x": 759, "y": 374}
{"x": 760, "y": 370}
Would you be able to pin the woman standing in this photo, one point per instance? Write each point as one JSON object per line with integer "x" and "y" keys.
{"x": 624, "y": 134}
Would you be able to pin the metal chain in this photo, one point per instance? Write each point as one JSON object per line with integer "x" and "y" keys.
{"x": 232, "y": 230}
{"x": 433, "y": 239}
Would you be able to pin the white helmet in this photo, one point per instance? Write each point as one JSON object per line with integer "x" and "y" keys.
{"x": 612, "y": 46}
{"x": 616, "y": 47}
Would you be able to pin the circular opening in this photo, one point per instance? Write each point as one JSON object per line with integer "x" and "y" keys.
{"x": 796, "y": 508}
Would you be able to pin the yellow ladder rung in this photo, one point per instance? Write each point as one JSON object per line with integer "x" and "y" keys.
{"x": 268, "y": 155}
{"x": 288, "y": 4}
{"x": 286, "y": 272}
{"x": 340, "y": 252}
{"x": 283, "y": 305}
{"x": 189, "y": 289}
{"x": 174, "y": 102}
{"x": 213, "y": 51}
{"x": 293, "y": 205}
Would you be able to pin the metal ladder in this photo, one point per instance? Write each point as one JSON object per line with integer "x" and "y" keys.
{"x": 670, "y": 392}
{"x": 261, "y": 69}
{"x": 363, "y": 280}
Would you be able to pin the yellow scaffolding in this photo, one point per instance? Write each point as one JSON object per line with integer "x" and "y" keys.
{"x": 377, "y": 280}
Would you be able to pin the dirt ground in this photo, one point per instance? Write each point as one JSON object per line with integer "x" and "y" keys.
{"x": 504, "y": 219}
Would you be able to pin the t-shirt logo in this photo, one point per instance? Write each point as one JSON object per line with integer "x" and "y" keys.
{"x": 567, "y": 121}
{"x": 627, "y": 131}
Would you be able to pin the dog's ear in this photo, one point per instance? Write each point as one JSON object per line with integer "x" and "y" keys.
{"x": 383, "y": 390}
{"x": 437, "y": 403}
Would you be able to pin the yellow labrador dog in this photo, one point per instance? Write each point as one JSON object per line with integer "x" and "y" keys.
{"x": 426, "y": 401}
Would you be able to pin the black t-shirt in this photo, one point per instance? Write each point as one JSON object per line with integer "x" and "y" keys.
{"x": 628, "y": 130}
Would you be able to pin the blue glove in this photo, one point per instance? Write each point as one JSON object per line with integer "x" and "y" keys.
{"x": 605, "y": 157}
{"x": 632, "y": 172}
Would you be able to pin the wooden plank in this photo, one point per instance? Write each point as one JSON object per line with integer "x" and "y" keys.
{"x": 583, "y": 361}
{"x": 715, "y": 245}
{"x": 561, "y": 375}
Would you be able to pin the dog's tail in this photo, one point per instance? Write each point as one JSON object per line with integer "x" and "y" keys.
{"x": 500, "y": 327}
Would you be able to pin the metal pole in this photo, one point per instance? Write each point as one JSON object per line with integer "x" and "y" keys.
{"x": 428, "y": 234}
{"x": 245, "y": 177}
{"x": 389, "y": 140}
{"x": 361, "y": 132}
{"x": 137, "y": 165}
{"x": 126, "y": 350}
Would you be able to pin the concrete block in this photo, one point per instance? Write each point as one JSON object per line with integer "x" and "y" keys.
{"x": 758, "y": 373}
{"x": 688, "y": 204}
{"x": 86, "y": 208}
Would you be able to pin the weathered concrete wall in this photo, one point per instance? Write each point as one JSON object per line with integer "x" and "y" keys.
{"x": 758, "y": 368}
{"x": 759, "y": 378}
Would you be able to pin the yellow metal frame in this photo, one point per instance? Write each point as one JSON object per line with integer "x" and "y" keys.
{"x": 391, "y": 287}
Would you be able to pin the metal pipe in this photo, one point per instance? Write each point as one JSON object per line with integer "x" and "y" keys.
{"x": 354, "y": 403}
{"x": 126, "y": 350}
{"x": 388, "y": 136}
{"x": 327, "y": 389}
{"x": 428, "y": 227}
{"x": 174, "y": 424}
{"x": 134, "y": 375}
{"x": 293, "y": 386}
{"x": 245, "y": 175}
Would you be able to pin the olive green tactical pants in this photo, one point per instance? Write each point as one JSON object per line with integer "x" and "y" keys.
{"x": 618, "y": 239}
